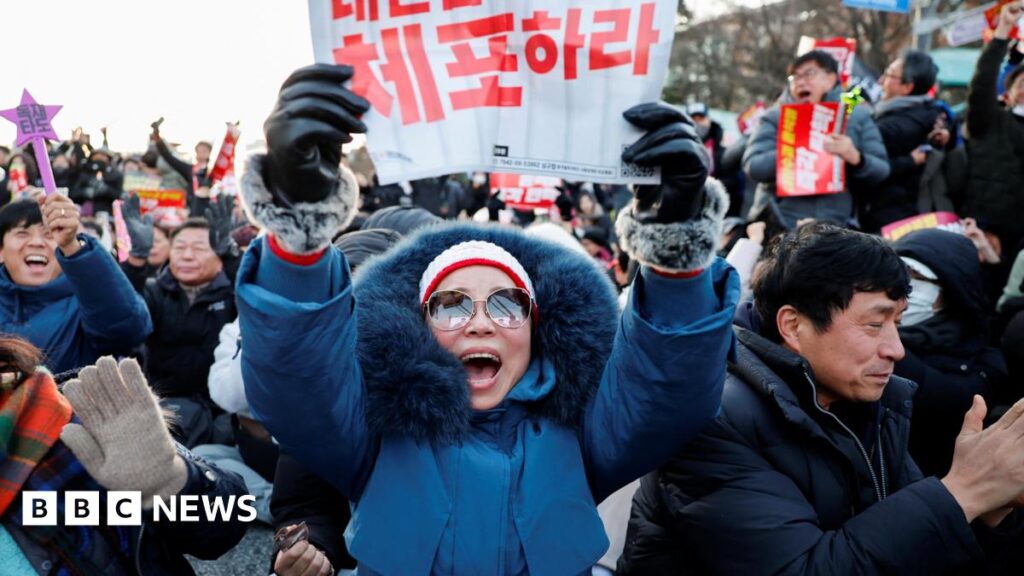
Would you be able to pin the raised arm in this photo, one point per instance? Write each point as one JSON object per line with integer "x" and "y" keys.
{"x": 296, "y": 309}
{"x": 112, "y": 313}
{"x": 663, "y": 381}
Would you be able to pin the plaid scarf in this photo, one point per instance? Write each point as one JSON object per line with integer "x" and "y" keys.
{"x": 32, "y": 416}
{"x": 31, "y": 419}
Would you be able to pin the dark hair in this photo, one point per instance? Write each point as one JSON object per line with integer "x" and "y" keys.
{"x": 204, "y": 143}
{"x": 20, "y": 355}
{"x": 91, "y": 223}
{"x": 818, "y": 268}
{"x": 23, "y": 213}
{"x": 823, "y": 59}
{"x": 193, "y": 223}
{"x": 149, "y": 159}
{"x": 920, "y": 70}
{"x": 5, "y": 149}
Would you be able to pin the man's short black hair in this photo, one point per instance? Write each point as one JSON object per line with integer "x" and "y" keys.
{"x": 920, "y": 70}
{"x": 193, "y": 223}
{"x": 822, "y": 59}
{"x": 23, "y": 213}
{"x": 818, "y": 268}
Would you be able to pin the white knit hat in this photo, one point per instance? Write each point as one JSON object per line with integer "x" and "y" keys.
{"x": 473, "y": 253}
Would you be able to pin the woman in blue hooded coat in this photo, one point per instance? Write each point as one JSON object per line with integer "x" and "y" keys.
{"x": 475, "y": 392}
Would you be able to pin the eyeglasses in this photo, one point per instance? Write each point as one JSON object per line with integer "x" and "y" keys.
{"x": 805, "y": 75}
{"x": 450, "y": 310}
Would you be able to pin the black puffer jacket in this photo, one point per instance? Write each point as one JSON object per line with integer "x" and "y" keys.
{"x": 904, "y": 124}
{"x": 948, "y": 356}
{"x": 179, "y": 352}
{"x": 777, "y": 485}
{"x": 996, "y": 151}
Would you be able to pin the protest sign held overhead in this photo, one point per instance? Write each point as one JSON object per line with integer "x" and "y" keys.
{"x": 844, "y": 50}
{"x": 225, "y": 163}
{"x": 464, "y": 85}
{"x": 33, "y": 123}
{"x": 803, "y": 167}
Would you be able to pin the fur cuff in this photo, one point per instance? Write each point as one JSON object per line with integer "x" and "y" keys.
{"x": 679, "y": 246}
{"x": 307, "y": 227}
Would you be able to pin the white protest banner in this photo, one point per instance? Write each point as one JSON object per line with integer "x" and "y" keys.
{"x": 526, "y": 86}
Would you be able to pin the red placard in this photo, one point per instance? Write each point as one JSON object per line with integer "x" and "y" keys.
{"x": 803, "y": 168}
{"x": 750, "y": 119}
{"x": 150, "y": 200}
{"x": 525, "y": 192}
{"x": 992, "y": 15}
{"x": 844, "y": 50}
{"x": 226, "y": 157}
{"x": 942, "y": 220}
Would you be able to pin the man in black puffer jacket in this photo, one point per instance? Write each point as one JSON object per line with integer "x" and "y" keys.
{"x": 995, "y": 143}
{"x": 905, "y": 117}
{"x": 806, "y": 469}
{"x": 945, "y": 331}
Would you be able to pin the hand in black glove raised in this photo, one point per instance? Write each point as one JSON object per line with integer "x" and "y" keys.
{"x": 672, "y": 143}
{"x": 313, "y": 117}
{"x": 673, "y": 226}
{"x": 221, "y": 219}
{"x": 140, "y": 228}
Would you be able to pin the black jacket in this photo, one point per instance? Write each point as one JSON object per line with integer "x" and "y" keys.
{"x": 904, "y": 124}
{"x": 179, "y": 352}
{"x": 301, "y": 496}
{"x": 777, "y": 485}
{"x": 996, "y": 151}
{"x": 948, "y": 356}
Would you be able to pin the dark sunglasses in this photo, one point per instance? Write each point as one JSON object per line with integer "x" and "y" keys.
{"x": 451, "y": 309}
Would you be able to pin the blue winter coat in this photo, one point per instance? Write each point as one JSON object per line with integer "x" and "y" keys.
{"x": 352, "y": 383}
{"x": 88, "y": 311}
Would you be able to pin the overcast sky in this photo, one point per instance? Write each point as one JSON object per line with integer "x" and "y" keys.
{"x": 125, "y": 63}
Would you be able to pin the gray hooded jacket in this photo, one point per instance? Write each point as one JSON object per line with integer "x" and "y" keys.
{"x": 760, "y": 159}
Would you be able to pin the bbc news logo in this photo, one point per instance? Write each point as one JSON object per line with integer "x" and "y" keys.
{"x": 82, "y": 508}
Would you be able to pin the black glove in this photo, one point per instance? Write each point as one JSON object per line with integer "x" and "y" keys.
{"x": 140, "y": 228}
{"x": 671, "y": 142}
{"x": 313, "y": 117}
{"x": 221, "y": 219}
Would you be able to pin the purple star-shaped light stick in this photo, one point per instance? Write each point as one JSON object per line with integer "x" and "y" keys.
{"x": 33, "y": 122}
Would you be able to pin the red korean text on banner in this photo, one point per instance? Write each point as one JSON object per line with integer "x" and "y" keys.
{"x": 479, "y": 49}
{"x": 803, "y": 168}
{"x": 844, "y": 50}
{"x": 225, "y": 163}
{"x": 942, "y": 220}
{"x": 524, "y": 192}
{"x": 750, "y": 119}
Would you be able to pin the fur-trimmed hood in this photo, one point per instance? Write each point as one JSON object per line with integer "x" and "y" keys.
{"x": 417, "y": 388}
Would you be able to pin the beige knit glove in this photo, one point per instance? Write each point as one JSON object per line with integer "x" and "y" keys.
{"x": 122, "y": 441}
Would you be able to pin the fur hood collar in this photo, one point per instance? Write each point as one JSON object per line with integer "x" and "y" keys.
{"x": 417, "y": 388}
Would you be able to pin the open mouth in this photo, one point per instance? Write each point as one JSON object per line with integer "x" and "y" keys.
{"x": 803, "y": 95}
{"x": 481, "y": 368}
{"x": 36, "y": 262}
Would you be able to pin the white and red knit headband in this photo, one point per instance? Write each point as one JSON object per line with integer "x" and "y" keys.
{"x": 473, "y": 253}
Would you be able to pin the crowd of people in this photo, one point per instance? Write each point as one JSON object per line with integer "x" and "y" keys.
{"x": 420, "y": 379}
